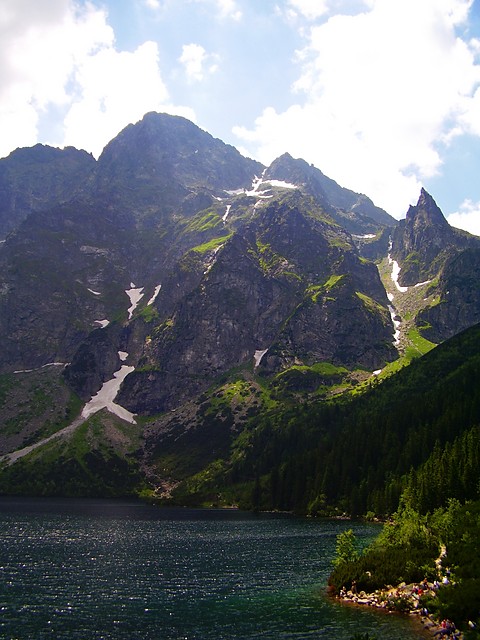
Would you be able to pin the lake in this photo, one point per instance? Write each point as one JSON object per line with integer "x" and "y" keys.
{"x": 94, "y": 569}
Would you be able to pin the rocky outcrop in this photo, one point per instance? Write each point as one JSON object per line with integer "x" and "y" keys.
{"x": 457, "y": 305}
{"x": 444, "y": 259}
{"x": 38, "y": 178}
{"x": 424, "y": 241}
{"x": 269, "y": 288}
{"x": 353, "y": 211}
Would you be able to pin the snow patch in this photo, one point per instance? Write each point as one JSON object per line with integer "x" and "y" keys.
{"x": 377, "y": 372}
{"x": 395, "y": 269}
{"x": 396, "y": 325}
{"x": 49, "y": 364}
{"x": 95, "y": 293}
{"x": 367, "y": 236}
{"x": 227, "y": 211}
{"x": 102, "y": 323}
{"x": 395, "y": 274}
{"x": 123, "y": 355}
{"x": 104, "y": 399}
{"x": 264, "y": 194}
{"x": 155, "y": 294}
{"x": 135, "y": 294}
{"x": 257, "y": 357}
{"x": 282, "y": 184}
{"x": 421, "y": 284}
{"x": 390, "y": 296}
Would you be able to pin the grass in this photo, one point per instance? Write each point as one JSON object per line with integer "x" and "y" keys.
{"x": 211, "y": 245}
{"x": 204, "y": 221}
{"x": 407, "y": 305}
{"x": 419, "y": 345}
{"x": 370, "y": 304}
{"x": 148, "y": 314}
{"x": 317, "y": 290}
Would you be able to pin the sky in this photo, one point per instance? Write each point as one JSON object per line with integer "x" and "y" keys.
{"x": 383, "y": 96}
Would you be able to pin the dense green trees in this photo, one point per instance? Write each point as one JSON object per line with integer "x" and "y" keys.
{"x": 413, "y": 546}
{"x": 418, "y": 432}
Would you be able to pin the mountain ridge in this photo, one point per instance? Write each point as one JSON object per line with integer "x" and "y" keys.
{"x": 227, "y": 288}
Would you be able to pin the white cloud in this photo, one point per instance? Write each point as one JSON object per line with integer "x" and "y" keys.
{"x": 310, "y": 9}
{"x": 39, "y": 46}
{"x": 61, "y": 55}
{"x": 228, "y": 9}
{"x": 196, "y": 61}
{"x": 114, "y": 90}
{"x": 377, "y": 92}
{"x": 467, "y": 218}
{"x": 153, "y": 4}
{"x": 225, "y": 8}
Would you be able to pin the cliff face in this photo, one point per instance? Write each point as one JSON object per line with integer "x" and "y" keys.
{"x": 37, "y": 178}
{"x": 424, "y": 241}
{"x": 428, "y": 249}
{"x": 288, "y": 289}
{"x": 458, "y": 298}
{"x": 232, "y": 259}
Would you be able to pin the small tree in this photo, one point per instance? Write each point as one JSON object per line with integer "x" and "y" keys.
{"x": 346, "y": 549}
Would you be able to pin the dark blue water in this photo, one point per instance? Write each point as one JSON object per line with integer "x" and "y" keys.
{"x": 98, "y": 569}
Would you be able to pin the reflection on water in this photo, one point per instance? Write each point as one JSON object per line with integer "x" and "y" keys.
{"x": 114, "y": 569}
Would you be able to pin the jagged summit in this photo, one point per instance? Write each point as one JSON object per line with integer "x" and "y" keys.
{"x": 39, "y": 177}
{"x": 429, "y": 250}
{"x": 165, "y": 152}
{"x": 425, "y": 212}
{"x": 423, "y": 241}
{"x": 206, "y": 285}
{"x": 353, "y": 211}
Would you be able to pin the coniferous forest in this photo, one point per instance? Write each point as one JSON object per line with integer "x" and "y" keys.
{"x": 417, "y": 431}
{"x": 407, "y": 450}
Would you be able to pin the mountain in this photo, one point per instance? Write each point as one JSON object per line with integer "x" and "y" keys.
{"x": 354, "y": 212}
{"x": 424, "y": 241}
{"x": 38, "y": 178}
{"x": 433, "y": 253}
{"x": 280, "y": 286}
{"x": 154, "y": 212}
{"x": 207, "y": 294}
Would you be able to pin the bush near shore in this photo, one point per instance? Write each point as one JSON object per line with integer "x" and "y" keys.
{"x": 441, "y": 548}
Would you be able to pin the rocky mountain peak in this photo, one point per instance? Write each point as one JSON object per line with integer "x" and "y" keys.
{"x": 39, "y": 177}
{"x": 162, "y": 149}
{"x": 353, "y": 211}
{"x": 287, "y": 168}
{"x": 426, "y": 213}
{"x": 424, "y": 241}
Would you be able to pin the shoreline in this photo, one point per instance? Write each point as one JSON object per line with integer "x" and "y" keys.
{"x": 379, "y": 601}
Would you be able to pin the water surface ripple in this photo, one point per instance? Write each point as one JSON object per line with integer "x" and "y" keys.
{"x": 92, "y": 569}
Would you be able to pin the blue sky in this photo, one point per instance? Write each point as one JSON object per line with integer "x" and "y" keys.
{"x": 381, "y": 95}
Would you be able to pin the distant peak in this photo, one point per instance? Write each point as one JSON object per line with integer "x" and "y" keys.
{"x": 426, "y": 210}
{"x": 425, "y": 199}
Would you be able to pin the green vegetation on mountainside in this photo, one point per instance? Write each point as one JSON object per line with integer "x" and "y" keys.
{"x": 407, "y": 305}
{"x": 33, "y": 405}
{"x": 97, "y": 459}
{"x": 357, "y": 454}
{"x": 440, "y": 546}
